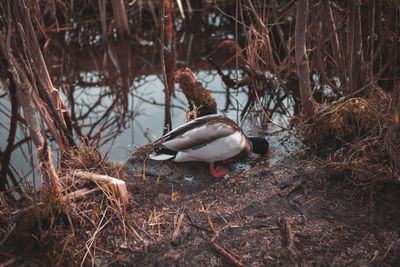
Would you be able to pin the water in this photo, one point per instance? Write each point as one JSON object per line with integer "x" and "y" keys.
{"x": 21, "y": 159}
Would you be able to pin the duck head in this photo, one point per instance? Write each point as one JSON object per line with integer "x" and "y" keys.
{"x": 259, "y": 145}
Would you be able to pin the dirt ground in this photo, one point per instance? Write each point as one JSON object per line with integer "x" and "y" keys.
{"x": 285, "y": 214}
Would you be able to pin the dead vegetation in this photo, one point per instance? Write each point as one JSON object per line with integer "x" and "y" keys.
{"x": 355, "y": 105}
{"x": 349, "y": 137}
{"x": 66, "y": 231}
{"x": 200, "y": 100}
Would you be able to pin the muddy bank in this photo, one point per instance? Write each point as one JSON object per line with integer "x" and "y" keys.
{"x": 285, "y": 214}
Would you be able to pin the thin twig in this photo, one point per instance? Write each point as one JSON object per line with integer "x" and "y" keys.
{"x": 91, "y": 240}
{"x": 285, "y": 192}
{"x": 390, "y": 247}
{"x": 192, "y": 223}
{"x": 178, "y": 225}
{"x": 226, "y": 254}
{"x": 7, "y": 235}
{"x": 288, "y": 232}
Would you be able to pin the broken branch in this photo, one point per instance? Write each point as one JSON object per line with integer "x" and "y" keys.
{"x": 118, "y": 186}
{"x": 226, "y": 254}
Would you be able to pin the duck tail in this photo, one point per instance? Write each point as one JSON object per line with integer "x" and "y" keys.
{"x": 163, "y": 154}
{"x": 155, "y": 156}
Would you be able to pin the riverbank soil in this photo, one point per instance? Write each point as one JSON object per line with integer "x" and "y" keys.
{"x": 287, "y": 214}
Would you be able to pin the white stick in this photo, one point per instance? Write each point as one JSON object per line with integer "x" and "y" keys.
{"x": 119, "y": 186}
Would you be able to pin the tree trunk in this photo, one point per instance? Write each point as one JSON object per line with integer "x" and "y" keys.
{"x": 303, "y": 70}
{"x": 123, "y": 50}
{"x": 334, "y": 40}
{"x": 167, "y": 58}
{"x": 355, "y": 49}
{"x": 25, "y": 93}
{"x": 35, "y": 92}
{"x": 46, "y": 97}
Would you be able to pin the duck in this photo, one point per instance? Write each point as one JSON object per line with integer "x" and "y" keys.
{"x": 209, "y": 139}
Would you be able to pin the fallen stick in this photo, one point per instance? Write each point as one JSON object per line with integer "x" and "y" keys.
{"x": 192, "y": 223}
{"x": 226, "y": 254}
{"x": 288, "y": 232}
{"x": 178, "y": 225}
{"x": 118, "y": 258}
{"x": 135, "y": 233}
{"x": 118, "y": 186}
{"x": 79, "y": 193}
{"x": 285, "y": 192}
{"x": 70, "y": 196}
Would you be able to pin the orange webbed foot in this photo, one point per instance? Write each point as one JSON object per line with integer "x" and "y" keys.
{"x": 218, "y": 172}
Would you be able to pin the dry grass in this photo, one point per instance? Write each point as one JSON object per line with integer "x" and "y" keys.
{"x": 55, "y": 231}
{"x": 85, "y": 157}
{"x": 350, "y": 136}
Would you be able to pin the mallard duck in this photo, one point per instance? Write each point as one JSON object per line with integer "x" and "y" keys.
{"x": 209, "y": 139}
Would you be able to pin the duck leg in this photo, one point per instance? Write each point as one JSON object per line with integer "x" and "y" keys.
{"x": 218, "y": 172}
